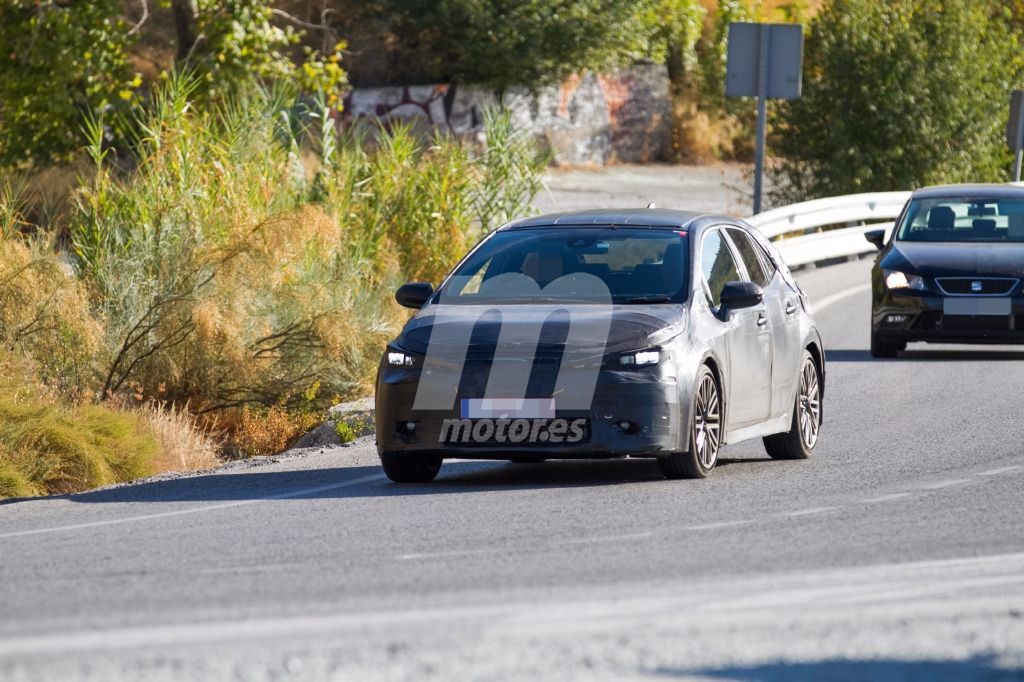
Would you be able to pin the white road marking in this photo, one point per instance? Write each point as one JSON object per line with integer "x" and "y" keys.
{"x": 829, "y": 301}
{"x": 939, "y": 485}
{"x": 808, "y": 512}
{"x": 996, "y": 472}
{"x": 930, "y": 587}
{"x": 609, "y": 538}
{"x": 451, "y": 553}
{"x": 719, "y": 524}
{"x": 885, "y": 498}
{"x": 197, "y": 510}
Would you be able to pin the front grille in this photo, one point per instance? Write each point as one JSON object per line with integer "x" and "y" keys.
{"x": 977, "y": 286}
{"x": 976, "y": 323}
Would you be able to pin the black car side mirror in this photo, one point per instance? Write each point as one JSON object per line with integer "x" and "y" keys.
{"x": 737, "y": 295}
{"x": 414, "y": 294}
{"x": 876, "y": 237}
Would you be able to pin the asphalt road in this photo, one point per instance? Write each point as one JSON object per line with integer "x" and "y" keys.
{"x": 897, "y": 552}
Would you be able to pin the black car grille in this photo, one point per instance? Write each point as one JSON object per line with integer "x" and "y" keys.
{"x": 976, "y": 323}
{"x": 968, "y": 286}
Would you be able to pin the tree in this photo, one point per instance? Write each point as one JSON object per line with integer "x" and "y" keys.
{"x": 58, "y": 61}
{"x": 507, "y": 43}
{"x": 898, "y": 95}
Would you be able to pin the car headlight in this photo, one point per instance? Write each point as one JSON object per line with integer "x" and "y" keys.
{"x": 397, "y": 358}
{"x": 642, "y": 358}
{"x": 894, "y": 279}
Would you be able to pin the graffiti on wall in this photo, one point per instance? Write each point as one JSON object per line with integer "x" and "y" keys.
{"x": 586, "y": 119}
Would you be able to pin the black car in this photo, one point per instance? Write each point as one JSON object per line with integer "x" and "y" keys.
{"x": 952, "y": 271}
{"x": 649, "y": 333}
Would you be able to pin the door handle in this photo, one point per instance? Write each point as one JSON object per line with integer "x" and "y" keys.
{"x": 761, "y": 320}
{"x": 790, "y": 308}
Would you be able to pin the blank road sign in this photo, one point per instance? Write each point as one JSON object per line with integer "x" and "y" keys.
{"x": 785, "y": 51}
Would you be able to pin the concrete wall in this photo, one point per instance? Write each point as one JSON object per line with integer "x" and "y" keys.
{"x": 587, "y": 119}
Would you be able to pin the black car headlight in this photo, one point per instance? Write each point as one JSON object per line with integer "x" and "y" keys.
{"x": 896, "y": 279}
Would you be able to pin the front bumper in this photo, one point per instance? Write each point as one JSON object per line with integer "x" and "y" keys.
{"x": 926, "y": 321}
{"x": 647, "y": 399}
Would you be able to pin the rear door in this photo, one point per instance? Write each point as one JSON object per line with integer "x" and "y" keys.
{"x": 781, "y": 303}
{"x": 748, "y": 332}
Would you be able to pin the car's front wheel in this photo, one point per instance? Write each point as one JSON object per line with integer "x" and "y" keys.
{"x": 705, "y": 433}
{"x": 403, "y": 467}
{"x": 799, "y": 441}
{"x": 880, "y": 348}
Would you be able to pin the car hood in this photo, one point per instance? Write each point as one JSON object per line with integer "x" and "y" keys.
{"x": 962, "y": 259}
{"x": 630, "y": 327}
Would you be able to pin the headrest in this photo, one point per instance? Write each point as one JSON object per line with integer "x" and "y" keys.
{"x": 941, "y": 218}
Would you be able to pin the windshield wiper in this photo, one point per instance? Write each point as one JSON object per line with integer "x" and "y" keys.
{"x": 640, "y": 300}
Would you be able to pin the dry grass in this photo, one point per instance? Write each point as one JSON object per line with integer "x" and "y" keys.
{"x": 270, "y": 431}
{"x": 185, "y": 444}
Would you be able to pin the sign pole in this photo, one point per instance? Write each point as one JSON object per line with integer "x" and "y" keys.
{"x": 762, "y": 115}
{"x": 1015, "y": 131}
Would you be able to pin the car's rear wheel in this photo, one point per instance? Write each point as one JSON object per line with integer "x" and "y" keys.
{"x": 880, "y": 348}
{"x": 403, "y": 467}
{"x": 799, "y": 441}
{"x": 705, "y": 433}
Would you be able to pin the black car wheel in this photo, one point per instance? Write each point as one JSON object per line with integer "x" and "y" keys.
{"x": 705, "y": 433}
{"x": 799, "y": 441}
{"x": 401, "y": 467}
{"x": 880, "y": 348}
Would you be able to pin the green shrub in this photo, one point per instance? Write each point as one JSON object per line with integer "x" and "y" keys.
{"x": 344, "y": 431}
{"x": 262, "y": 196}
{"x": 47, "y": 448}
{"x": 897, "y": 95}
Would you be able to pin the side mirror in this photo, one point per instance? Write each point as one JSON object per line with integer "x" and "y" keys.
{"x": 737, "y": 295}
{"x": 414, "y": 294}
{"x": 876, "y": 237}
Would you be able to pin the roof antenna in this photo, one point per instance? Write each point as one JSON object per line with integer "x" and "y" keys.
{"x": 651, "y": 205}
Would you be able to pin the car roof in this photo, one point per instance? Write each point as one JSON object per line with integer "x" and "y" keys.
{"x": 661, "y": 218}
{"x": 987, "y": 191}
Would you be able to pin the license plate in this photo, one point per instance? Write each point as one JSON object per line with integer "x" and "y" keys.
{"x": 515, "y": 432}
{"x": 976, "y": 306}
{"x": 507, "y": 408}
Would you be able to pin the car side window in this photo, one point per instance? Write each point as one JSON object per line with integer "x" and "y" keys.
{"x": 718, "y": 265}
{"x": 751, "y": 258}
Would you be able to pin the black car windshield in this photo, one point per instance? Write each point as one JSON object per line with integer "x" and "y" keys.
{"x": 637, "y": 266}
{"x": 963, "y": 219}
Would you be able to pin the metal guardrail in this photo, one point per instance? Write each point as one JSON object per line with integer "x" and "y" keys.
{"x": 797, "y": 229}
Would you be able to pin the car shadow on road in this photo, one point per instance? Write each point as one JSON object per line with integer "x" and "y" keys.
{"x": 842, "y": 669}
{"x": 340, "y": 482}
{"x": 855, "y": 355}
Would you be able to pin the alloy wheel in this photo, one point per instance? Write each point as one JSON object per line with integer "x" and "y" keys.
{"x": 707, "y": 422}
{"x": 809, "y": 404}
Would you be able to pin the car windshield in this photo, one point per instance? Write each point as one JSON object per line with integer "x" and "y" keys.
{"x": 636, "y": 265}
{"x": 963, "y": 219}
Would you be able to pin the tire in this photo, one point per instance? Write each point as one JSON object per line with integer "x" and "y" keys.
{"x": 799, "y": 441}
{"x": 527, "y": 459}
{"x": 705, "y": 432}
{"x": 880, "y": 348}
{"x": 403, "y": 467}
